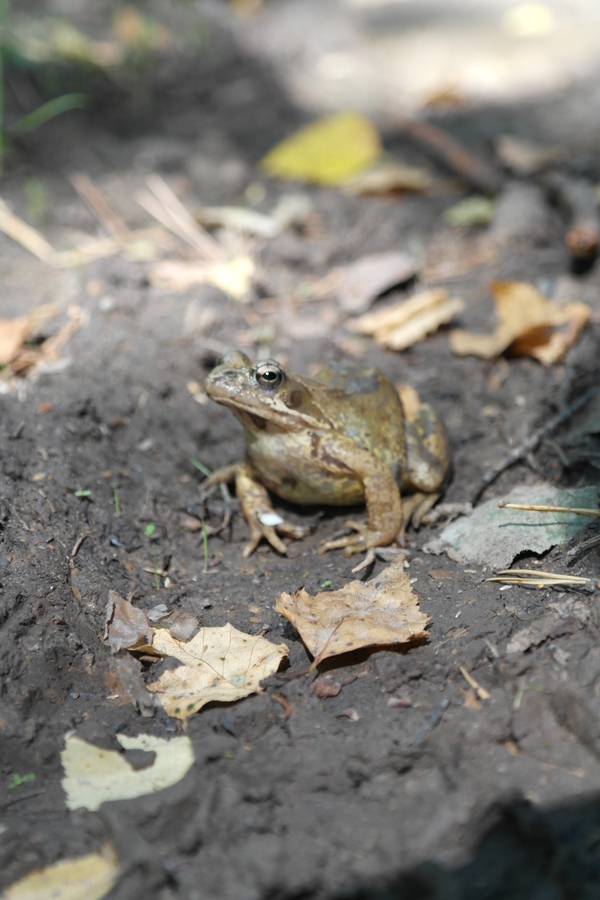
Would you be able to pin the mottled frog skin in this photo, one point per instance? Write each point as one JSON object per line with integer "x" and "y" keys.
{"x": 339, "y": 438}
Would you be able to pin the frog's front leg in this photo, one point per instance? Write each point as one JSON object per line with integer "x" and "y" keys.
{"x": 340, "y": 456}
{"x": 257, "y": 508}
{"x": 428, "y": 465}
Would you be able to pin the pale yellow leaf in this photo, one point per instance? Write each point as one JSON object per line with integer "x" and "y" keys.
{"x": 94, "y": 775}
{"x": 233, "y": 277}
{"x": 527, "y": 326}
{"x": 329, "y": 151}
{"x": 361, "y": 614}
{"x": 221, "y": 664}
{"x": 85, "y": 878}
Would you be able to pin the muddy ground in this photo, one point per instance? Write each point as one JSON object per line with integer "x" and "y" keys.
{"x": 443, "y": 796}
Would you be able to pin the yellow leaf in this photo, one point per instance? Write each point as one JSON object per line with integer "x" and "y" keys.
{"x": 329, "y": 151}
{"x": 85, "y": 878}
{"x": 530, "y": 325}
{"x": 221, "y": 664}
{"x": 378, "y": 612}
{"x": 94, "y": 775}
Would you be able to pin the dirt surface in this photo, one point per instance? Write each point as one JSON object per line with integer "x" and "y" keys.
{"x": 407, "y": 783}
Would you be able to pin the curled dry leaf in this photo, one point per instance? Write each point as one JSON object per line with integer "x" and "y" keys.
{"x": 530, "y": 325}
{"x": 378, "y": 612}
{"x": 127, "y": 627}
{"x": 87, "y": 877}
{"x": 15, "y": 332}
{"x": 221, "y": 664}
{"x": 94, "y": 775}
{"x": 388, "y": 176}
{"x": 408, "y": 321}
{"x": 329, "y": 151}
{"x": 361, "y": 282}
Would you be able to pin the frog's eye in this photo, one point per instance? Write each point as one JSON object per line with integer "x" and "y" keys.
{"x": 269, "y": 376}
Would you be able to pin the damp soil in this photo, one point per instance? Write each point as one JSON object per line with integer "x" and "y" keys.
{"x": 405, "y": 784}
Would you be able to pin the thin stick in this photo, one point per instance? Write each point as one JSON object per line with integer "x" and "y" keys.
{"x": 532, "y": 442}
{"x": 451, "y": 153}
{"x": 580, "y": 511}
{"x": 96, "y": 200}
{"x": 481, "y": 692}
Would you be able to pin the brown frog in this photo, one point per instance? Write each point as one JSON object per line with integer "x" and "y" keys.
{"x": 341, "y": 438}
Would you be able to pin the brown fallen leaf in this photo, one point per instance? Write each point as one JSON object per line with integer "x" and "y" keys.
{"x": 15, "y": 332}
{"x": 408, "y": 321}
{"x": 221, "y": 664}
{"x": 127, "y": 628}
{"x": 361, "y": 282}
{"x": 382, "y": 611}
{"x": 389, "y": 176}
{"x": 530, "y": 325}
{"x": 526, "y": 158}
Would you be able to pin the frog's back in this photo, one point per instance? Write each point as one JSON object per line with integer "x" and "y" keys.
{"x": 369, "y": 411}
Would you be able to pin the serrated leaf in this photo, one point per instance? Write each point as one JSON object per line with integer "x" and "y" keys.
{"x": 218, "y": 664}
{"x": 361, "y": 614}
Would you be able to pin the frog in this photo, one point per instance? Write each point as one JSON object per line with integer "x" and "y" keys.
{"x": 340, "y": 438}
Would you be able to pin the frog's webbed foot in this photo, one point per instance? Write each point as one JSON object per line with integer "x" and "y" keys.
{"x": 258, "y": 511}
{"x": 364, "y": 539}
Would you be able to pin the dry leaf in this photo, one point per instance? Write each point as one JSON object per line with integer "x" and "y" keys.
{"x": 127, "y": 627}
{"x": 233, "y": 277}
{"x": 15, "y": 332}
{"x": 329, "y": 151}
{"x": 221, "y": 664}
{"x": 530, "y": 325}
{"x": 408, "y": 321}
{"x": 388, "y": 176}
{"x": 94, "y": 776}
{"x": 88, "y": 877}
{"x": 476, "y": 210}
{"x": 361, "y": 282}
{"x": 239, "y": 218}
{"x": 524, "y": 157}
{"x": 382, "y": 611}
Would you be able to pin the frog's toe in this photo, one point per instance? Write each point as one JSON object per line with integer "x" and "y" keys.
{"x": 354, "y": 543}
{"x": 267, "y": 532}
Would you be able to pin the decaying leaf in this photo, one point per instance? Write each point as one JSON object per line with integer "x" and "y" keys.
{"x": 530, "y": 325}
{"x": 476, "y": 210}
{"x": 389, "y": 176}
{"x": 233, "y": 277}
{"x": 408, "y": 321}
{"x": 493, "y": 536}
{"x": 15, "y": 332}
{"x": 361, "y": 614}
{"x": 94, "y": 775}
{"x": 221, "y": 664}
{"x": 361, "y": 282}
{"x": 329, "y": 151}
{"x": 88, "y": 877}
{"x": 524, "y": 157}
{"x": 126, "y": 626}
{"x": 239, "y": 218}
